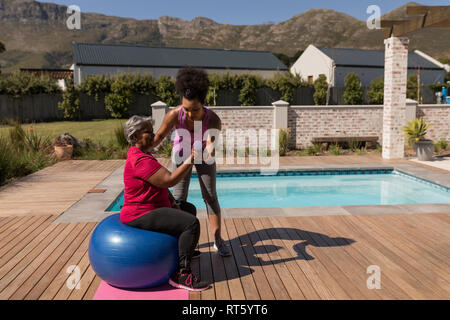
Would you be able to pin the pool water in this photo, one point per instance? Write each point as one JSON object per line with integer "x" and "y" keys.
{"x": 300, "y": 189}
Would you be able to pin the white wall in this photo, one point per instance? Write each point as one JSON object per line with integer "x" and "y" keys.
{"x": 314, "y": 62}
{"x": 81, "y": 72}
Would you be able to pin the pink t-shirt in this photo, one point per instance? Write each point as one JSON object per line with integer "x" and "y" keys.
{"x": 141, "y": 197}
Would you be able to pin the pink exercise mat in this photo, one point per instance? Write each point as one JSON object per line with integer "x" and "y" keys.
{"x": 165, "y": 292}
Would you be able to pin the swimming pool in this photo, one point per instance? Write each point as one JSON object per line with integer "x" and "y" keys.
{"x": 317, "y": 188}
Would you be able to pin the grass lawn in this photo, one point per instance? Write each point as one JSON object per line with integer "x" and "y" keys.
{"x": 101, "y": 131}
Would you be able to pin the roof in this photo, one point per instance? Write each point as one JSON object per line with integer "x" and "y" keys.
{"x": 170, "y": 57}
{"x": 53, "y": 73}
{"x": 373, "y": 58}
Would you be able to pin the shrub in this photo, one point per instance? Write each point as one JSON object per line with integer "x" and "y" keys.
{"x": 411, "y": 90}
{"x": 165, "y": 90}
{"x": 335, "y": 149}
{"x": 353, "y": 93}
{"x": 120, "y": 98}
{"x": 249, "y": 85}
{"x": 284, "y": 142}
{"x": 286, "y": 84}
{"x": 19, "y": 84}
{"x": 314, "y": 150}
{"x": 321, "y": 89}
{"x": 165, "y": 149}
{"x": 120, "y": 137}
{"x": 376, "y": 91}
{"x": 71, "y": 101}
{"x": 441, "y": 145}
{"x": 96, "y": 85}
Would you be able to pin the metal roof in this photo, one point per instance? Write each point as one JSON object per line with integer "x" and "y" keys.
{"x": 170, "y": 57}
{"x": 373, "y": 58}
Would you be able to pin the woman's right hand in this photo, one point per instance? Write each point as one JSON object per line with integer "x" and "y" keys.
{"x": 191, "y": 159}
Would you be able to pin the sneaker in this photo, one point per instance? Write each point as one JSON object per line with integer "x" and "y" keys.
{"x": 196, "y": 254}
{"x": 187, "y": 281}
{"x": 222, "y": 248}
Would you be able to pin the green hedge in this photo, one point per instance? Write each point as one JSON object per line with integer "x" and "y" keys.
{"x": 20, "y": 84}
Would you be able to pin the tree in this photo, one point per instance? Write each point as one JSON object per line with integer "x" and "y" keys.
{"x": 376, "y": 91}
{"x": 353, "y": 93}
{"x": 321, "y": 88}
{"x": 411, "y": 91}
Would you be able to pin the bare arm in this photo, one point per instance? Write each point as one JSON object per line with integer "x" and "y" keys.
{"x": 168, "y": 123}
{"x": 163, "y": 178}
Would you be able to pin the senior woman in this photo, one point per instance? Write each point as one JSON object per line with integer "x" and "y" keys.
{"x": 149, "y": 204}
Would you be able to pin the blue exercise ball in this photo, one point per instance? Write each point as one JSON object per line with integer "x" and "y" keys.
{"x": 131, "y": 258}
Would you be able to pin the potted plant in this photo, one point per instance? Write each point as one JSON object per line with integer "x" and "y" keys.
{"x": 415, "y": 132}
{"x": 64, "y": 146}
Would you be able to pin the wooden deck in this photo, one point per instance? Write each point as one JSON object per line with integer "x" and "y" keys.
{"x": 273, "y": 258}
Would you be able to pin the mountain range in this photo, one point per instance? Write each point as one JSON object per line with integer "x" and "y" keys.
{"x": 36, "y": 36}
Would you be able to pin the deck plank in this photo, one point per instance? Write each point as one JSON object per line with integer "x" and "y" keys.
{"x": 436, "y": 245}
{"x": 273, "y": 255}
{"x": 245, "y": 274}
{"x": 272, "y": 272}
{"x": 389, "y": 283}
{"x": 205, "y": 262}
{"x": 20, "y": 227}
{"x": 299, "y": 277}
{"x": 262, "y": 283}
{"x": 417, "y": 244}
{"x": 44, "y": 267}
{"x": 22, "y": 258}
{"x": 218, "y": 270}
{"x": 45, "y": 280}
{"x": 336, "y": 250}
{"x": 327, "y": 256}
{"x": 15, "y": 246}
{"x": 60, "y": 280}
{"x": 319, "y": 274}
{"x": 231, "y": 269}
{"x": 93, "y": 287}
{"x": 64, "y": 291}
{"x": 16, "y": 280}
{"x": 388, "y": 263}
{"x": 414, "y": 264}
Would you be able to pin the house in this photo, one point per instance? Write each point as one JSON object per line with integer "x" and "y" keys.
{"x": 337, "y": 63}
{"x": 108, "y": 59}
{"x": 60, "y": 75}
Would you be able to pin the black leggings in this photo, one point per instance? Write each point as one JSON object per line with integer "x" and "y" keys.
{"x": 178, "y": 223}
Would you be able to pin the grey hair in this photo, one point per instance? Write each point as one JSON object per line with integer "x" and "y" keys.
{"x": 134, "y": 125}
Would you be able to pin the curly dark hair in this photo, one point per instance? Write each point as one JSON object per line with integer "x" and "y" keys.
{"x": 192, "y": 83}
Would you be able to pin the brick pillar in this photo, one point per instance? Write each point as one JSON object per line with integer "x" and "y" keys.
{"x": 395, "y": 77}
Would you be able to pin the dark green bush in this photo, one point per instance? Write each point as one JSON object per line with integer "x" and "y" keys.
{"x": 20, "y": 84}
{"x": 353, "y": 93}
{"x": 71, "y": 101}
{"x": 376, "y": 91}
{"x": 321, "y": 89}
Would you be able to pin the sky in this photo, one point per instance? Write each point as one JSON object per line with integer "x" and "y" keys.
{"x": 235, "y": 12}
